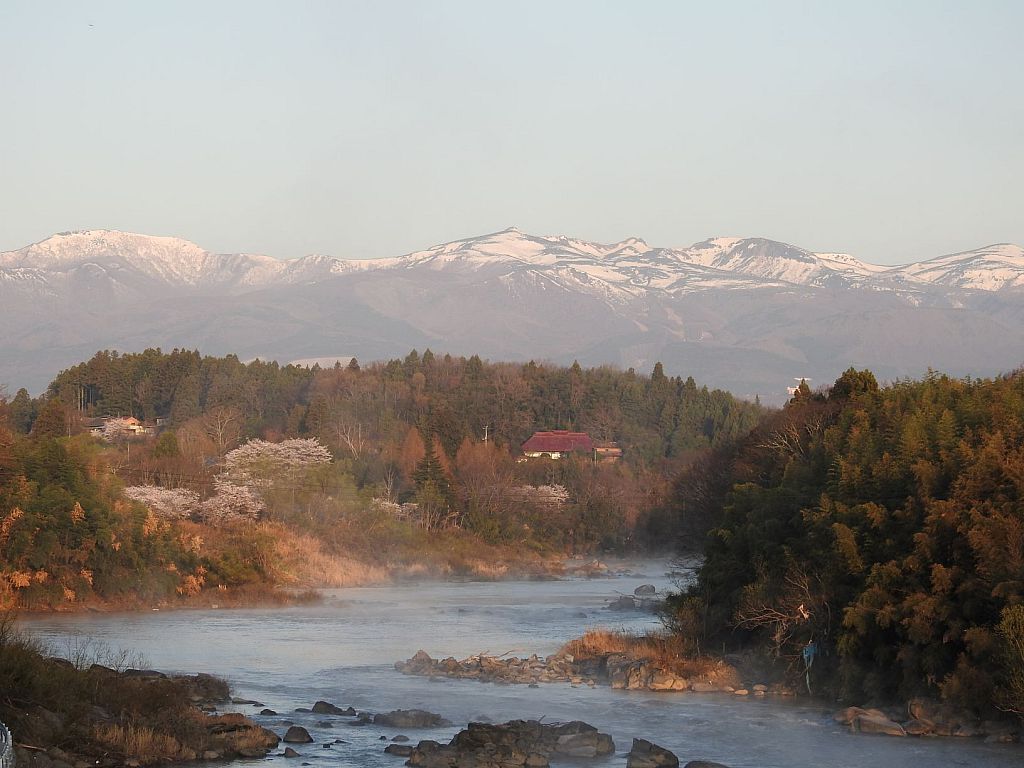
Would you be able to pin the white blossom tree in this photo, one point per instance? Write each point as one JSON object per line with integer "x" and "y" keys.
{"x": 230, "y": 503}
{"x": 260, "y": 464}
{"x": 169, "y": 503}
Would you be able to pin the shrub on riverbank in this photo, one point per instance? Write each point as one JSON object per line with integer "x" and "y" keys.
{"x": 664, "y": 650}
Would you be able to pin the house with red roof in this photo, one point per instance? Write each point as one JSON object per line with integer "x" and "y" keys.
{"x": 557, "y": 444}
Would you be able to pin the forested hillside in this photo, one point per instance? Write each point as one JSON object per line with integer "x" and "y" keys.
{"x": 455, "y": 397}
{"x": 256, "y": 474}
{"x": 884, "y": 524}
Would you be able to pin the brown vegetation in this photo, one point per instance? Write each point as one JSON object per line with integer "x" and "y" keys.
{"x": 664, "y": 650}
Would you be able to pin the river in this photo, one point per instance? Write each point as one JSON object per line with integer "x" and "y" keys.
{"x": 343, "y": 650}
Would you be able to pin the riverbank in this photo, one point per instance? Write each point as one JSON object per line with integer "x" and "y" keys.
{"x": 63, "y": 715}
{"x": 302, "y": 571}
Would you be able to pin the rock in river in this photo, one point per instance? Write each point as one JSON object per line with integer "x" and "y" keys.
{"x": 410, "y": 718}
{"x": 526, "y": 743}
{"x": 645, "y": 754}
{"x": 297, "y": 735}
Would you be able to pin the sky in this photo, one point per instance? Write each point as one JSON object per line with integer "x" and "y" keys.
{"x": 890, "y": 130}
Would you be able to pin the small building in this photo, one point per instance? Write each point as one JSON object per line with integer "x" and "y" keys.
{"x": 607, "y": 451}
{"x": 128, "y": 426}
{"x": 94, "y": 426}
{"x": 557, "y": 444}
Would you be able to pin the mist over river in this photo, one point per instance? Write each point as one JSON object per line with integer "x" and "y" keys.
{"x": 343, "y": 650}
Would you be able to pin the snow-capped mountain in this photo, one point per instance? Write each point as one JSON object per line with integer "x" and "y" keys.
{"x": 742, "y": 313}
{"x": 632, "y": 264}
{"x": 129, "y": 260}
{"x": 993, "y": 268}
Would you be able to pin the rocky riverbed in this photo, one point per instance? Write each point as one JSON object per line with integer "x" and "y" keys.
{"x": 619, "y": 670}
{"x": 532, "y": 744}
{"x": 920, "y": 717}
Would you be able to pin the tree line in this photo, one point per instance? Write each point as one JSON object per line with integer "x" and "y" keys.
{"x": 382, "y": 420}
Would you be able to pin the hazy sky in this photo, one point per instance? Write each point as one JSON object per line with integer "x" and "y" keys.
{"x": 892, "y": 130}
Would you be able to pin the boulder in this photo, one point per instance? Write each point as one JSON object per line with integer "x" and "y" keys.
{"x": 526, "y": 743}
{"x": 399, "y": 750}
{"x": 326, "y": 708}
{"x": 585, "y": 744}
{"x": 918, "y": 727}
{"x": 638, "y": 678}
{"x": 969, "y": 730}
{"x": 410, "y": 718}
{"x": 645, "y": 754}
{"x": 645, "y": 590}
{"x": 873, "y": 723}
{"x": 847, "y": 715}
{"x": 622, "y": 603}
{"x": 289, "y": 752}
{"x": 662, "y": 680}
{"x": 702, "y": 686}
{"x": 297, "y": 735}
{"x": 419, "y": 664}
{"x": 147, "y": 673}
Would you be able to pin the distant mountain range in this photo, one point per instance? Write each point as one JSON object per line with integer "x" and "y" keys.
{"x": 744, "y": 314}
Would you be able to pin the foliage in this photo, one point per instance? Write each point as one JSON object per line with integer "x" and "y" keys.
{"x": 885, "y": 524}
{"x": 65, "y": 535}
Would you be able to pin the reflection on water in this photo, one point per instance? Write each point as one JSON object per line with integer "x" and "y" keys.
{"x": 343, "y": 649}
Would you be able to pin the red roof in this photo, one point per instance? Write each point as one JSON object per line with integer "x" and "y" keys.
{"x": 558, "y": 441}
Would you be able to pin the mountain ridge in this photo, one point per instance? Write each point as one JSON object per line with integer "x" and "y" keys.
{"x": 991, "y": 267}
{"x": 746, "y": 314}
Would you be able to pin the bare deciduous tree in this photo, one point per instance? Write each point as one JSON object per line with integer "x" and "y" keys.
{"x": 223, "y": 425}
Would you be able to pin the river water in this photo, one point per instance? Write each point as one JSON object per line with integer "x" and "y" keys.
{"x": 343, "y": 650}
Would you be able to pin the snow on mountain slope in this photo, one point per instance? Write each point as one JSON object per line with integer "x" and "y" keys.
{"x": 746, "y": 312}
{"x": 617, "y": 272}
{"x": 126, "y": 256}
{"x": 992, "y": 268}
{"x": 510, "y": 246}
{"x": 126, "y": 263}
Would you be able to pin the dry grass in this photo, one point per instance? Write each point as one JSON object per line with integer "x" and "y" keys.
{"x": 301, "y": 561}
{"x": 664, "y": 650}
{"x": 140, "y": 743}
